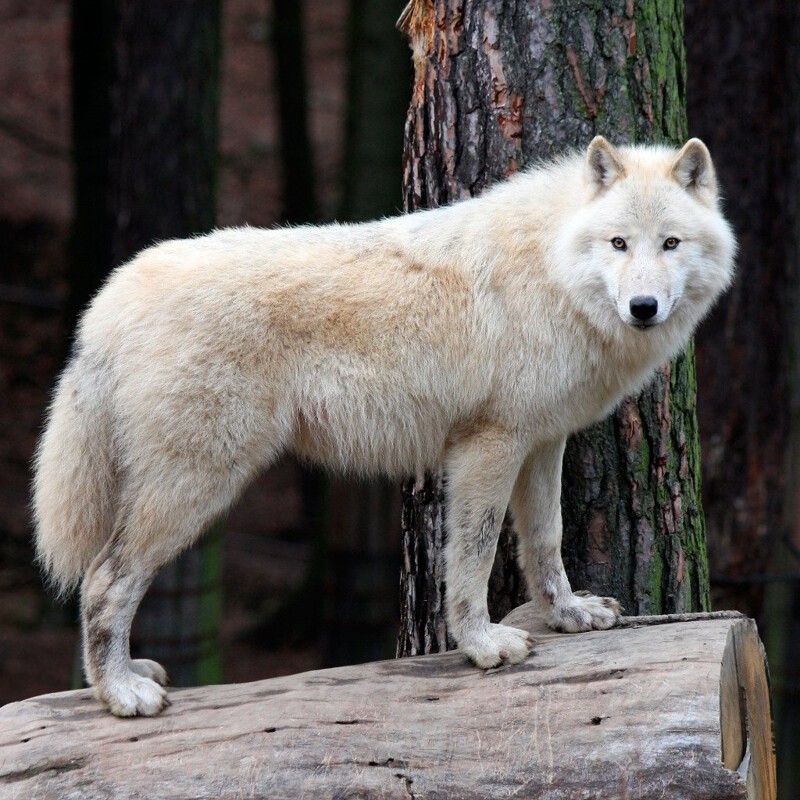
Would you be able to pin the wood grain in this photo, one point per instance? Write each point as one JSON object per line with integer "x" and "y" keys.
{"x": 636, "y": 712}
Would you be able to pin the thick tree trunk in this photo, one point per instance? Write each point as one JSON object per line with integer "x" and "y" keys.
{"x": 145, "y": 124}
{"x": 498, "y": 85}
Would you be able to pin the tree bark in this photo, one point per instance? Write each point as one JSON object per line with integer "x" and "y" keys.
{"x": 498, "y": 85}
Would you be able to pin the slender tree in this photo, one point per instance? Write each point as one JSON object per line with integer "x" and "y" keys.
{"x": 145, "y": 86}
{"x": 361, "y": 596}
{"x": 91, "y": 54}
{"x": 298, "y": 186}
{"x": 498, "y": 85}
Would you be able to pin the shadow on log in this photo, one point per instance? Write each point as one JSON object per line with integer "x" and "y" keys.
{"x": 643, "y": 711}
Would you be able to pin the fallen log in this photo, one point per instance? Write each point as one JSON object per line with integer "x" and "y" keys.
{"x": 677, "y": 710}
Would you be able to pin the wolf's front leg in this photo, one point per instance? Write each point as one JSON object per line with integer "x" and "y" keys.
{"x": 480, "y": 475}
{"x": 536, "y": 508}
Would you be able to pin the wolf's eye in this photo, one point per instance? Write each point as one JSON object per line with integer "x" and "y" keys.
{"x": 618, "y": 243}
{"x": 670, "y": 243}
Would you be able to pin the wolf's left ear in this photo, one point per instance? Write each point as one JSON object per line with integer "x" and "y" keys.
{"x": 603, "y": 164}
{"x": 694, "y": 171}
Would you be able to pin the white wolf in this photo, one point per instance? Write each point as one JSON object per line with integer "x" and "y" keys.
{"x": 476, "y": 336}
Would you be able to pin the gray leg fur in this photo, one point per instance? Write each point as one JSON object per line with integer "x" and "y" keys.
{"x": 480, "y": 474}
{"x": 536, "y": 508}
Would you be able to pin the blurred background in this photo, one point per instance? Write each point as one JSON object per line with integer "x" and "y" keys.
{"x": 264, "y": 112}
{"x": 277, "y": 89}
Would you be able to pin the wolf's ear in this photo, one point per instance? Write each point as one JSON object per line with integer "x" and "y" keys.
{"x": 603, "y": 164}
{"x": 694, "y": 171}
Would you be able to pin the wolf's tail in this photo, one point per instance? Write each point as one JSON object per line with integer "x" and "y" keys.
{"x": 74, "y": 493}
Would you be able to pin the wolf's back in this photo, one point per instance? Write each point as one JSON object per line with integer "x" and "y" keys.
{"x": 74, "y": 480}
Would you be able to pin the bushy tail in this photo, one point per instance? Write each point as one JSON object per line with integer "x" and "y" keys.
{"x": 74, "y": 482}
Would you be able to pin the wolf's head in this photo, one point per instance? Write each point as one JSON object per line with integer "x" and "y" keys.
{"x": 650, "y": 236}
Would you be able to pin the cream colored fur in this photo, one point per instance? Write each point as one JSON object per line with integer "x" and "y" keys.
{"x": 476, "y": 336}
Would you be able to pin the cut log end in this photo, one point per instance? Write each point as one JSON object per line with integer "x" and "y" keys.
{"x": 745, "y": 711}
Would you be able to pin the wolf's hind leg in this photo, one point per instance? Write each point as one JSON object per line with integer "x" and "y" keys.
{"x": 480, "y": 474}
{"x": 157, "y": 522}
{"x": 536, "y": 508}
{"x": 111, "y": 594}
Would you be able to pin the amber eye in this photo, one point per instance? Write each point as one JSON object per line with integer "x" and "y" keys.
{"x": 671, "y": 243}
{"x": 618, "y": 243}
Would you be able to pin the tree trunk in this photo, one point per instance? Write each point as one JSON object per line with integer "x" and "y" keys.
{"x": 498, "y": 85}
{"x": 378, "y": 76}
{"x": 164, "y": 133}
{"x": 361, "y": 596}
{"x": 145, "y": 122}
{"x": 91, "y": 57}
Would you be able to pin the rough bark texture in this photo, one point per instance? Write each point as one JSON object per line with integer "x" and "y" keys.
{"x": 498, "y": 85}
{"x": 666, "y": 710}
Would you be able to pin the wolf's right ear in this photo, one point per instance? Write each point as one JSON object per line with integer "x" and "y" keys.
{"x": 694, "y": 172}
{"x": 603, "y": 164}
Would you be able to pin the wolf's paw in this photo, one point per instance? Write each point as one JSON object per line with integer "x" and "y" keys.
{"x": 134, "y": 694}
{"x": 497, "y": 644}
{"x": 150, "y": 669}
{"x": 584, "y": 612}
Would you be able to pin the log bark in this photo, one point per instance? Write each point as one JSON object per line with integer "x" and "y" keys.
{"x": 647, "y": 711}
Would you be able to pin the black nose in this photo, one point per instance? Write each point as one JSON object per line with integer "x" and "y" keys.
{"x": 644, "y": 307}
